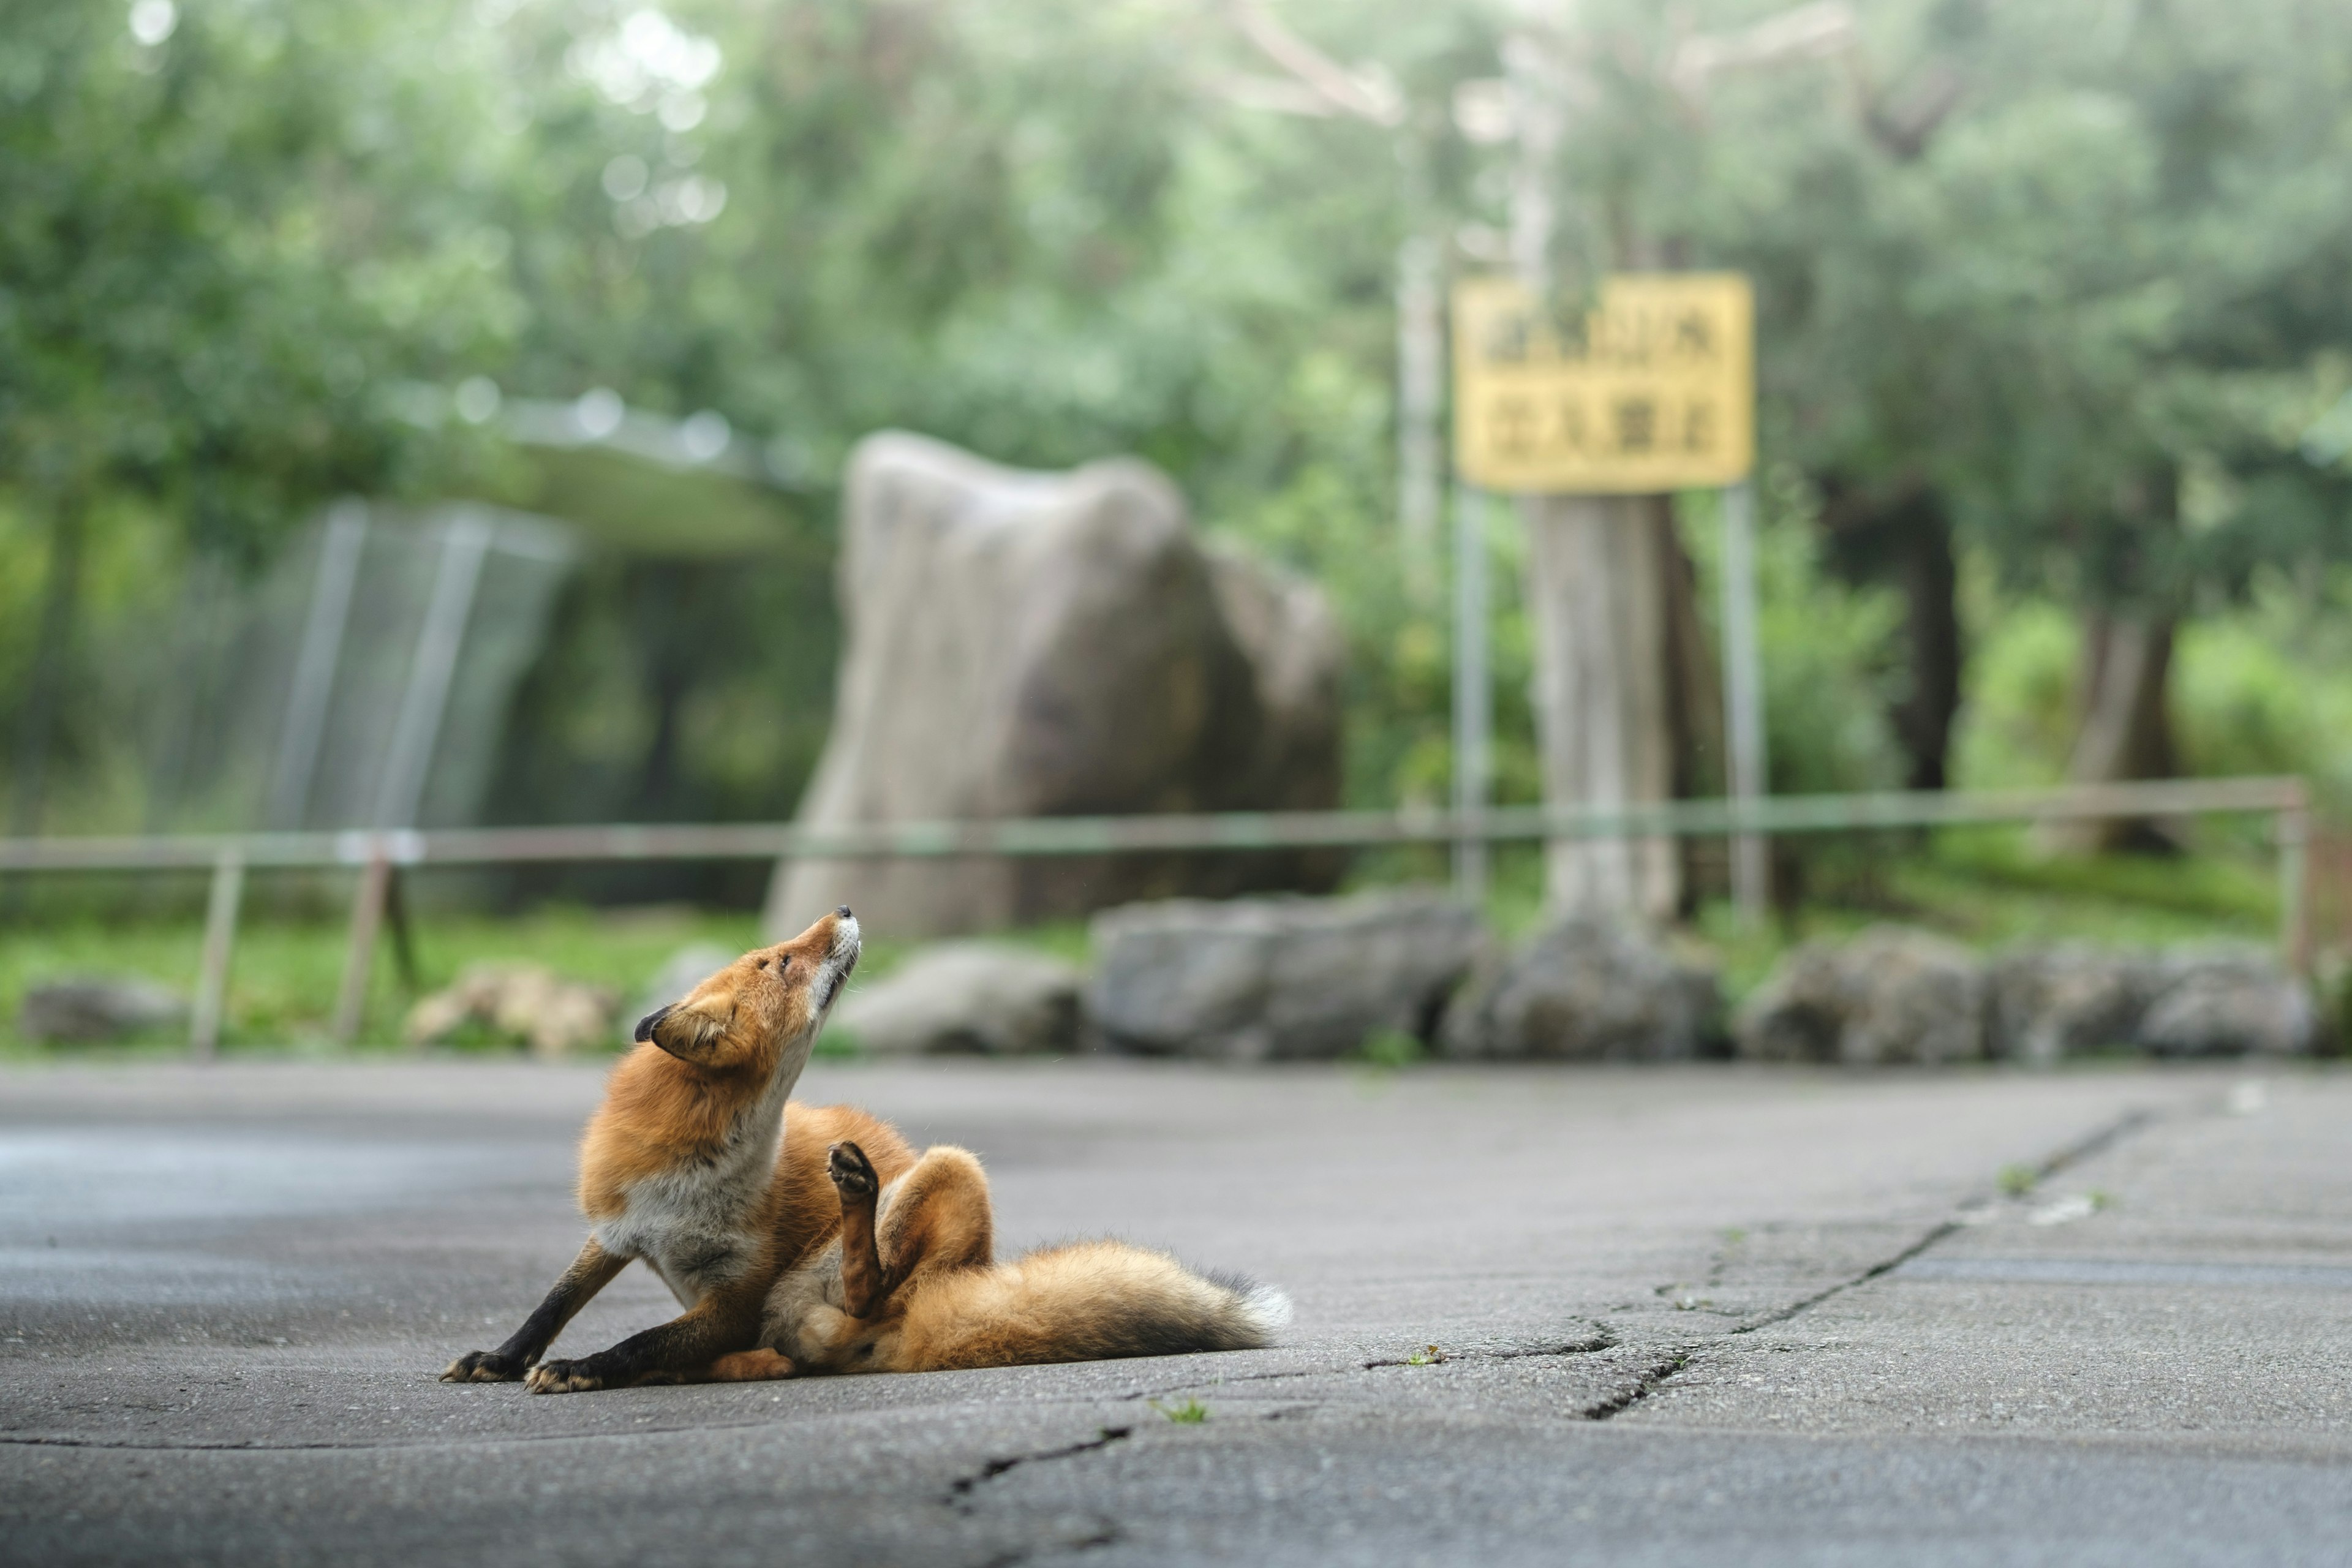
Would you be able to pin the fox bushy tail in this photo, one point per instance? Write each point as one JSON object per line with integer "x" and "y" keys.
{"x": 1095, "y": 1300}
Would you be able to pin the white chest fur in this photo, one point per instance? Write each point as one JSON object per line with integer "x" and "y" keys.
{"x": 696, "y": 1223}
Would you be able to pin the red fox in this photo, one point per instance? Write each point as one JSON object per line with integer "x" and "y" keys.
{"x": 841, "y": 1251}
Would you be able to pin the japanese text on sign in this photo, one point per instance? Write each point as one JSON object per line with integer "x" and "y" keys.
{"x": 1654, "y": 390}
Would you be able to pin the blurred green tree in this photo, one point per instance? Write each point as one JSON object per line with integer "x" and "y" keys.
{"x": 2067, "y": 285}
{"x": 227, "y": 236}
{"x": 2061, "y": 287}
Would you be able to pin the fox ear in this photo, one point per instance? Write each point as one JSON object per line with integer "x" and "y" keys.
{"x": 685, "y": 1031}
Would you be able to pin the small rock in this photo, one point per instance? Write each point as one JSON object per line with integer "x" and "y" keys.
{"x": 680, "y": 973}
{"x": 1588, "y": 990}
{"x": 1889, "y": 994}
{"x": 968, "y": 997}
{"x": 89, "y": 1008}
{"x": 526, "y": 1002}
{"x": 2224, "y": 1002}
{"x": 2050, "y": 1001}
{"x": 1257, "y": 979}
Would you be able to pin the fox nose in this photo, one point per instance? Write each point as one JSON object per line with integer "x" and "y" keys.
{"x": 842, "y": 909}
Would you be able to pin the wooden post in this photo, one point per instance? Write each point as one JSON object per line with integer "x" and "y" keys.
{"x": 220, "y": 941}
{"x": 404, "y": 932}
{"x": 367, "y": 920}
{"x": 1597, "y": 599}
{"x": 2291, "y": 828}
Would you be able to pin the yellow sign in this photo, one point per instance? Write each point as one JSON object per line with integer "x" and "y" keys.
{"x": 1654, "y": 390}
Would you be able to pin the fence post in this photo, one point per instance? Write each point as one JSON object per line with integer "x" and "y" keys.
{"x": 220, "y": 941}
{"x": 2291, "y": 828}
{"x": 367, "y": 920}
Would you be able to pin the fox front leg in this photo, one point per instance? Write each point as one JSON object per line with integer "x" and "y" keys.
{"x": 680, "y": 1351}
{"x": 590, "y": 1272}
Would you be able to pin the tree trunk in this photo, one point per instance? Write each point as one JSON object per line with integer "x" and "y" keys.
{"x": 52, "y": 652}
{"x": 1695, "y": 713}
{"x": 1907, "y": 540}
{"x": 2126, "y": 732}
{"x": 1930, "y": 579}
{"x": 1598, "y": 594}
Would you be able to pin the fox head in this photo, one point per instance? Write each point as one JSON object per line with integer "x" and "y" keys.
{"x": 741, "y": 1016}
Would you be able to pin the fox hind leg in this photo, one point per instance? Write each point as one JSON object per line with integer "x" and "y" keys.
{"x": 939, "y": 1218}
{"x": 864, "y": 1285}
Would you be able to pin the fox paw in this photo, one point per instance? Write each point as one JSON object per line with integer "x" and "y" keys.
{"x": 851, "y": 1170}
{"x": 760, "y": 1366}
{"x": 485, "y": 1366}
{"x": 564, "y": 1377}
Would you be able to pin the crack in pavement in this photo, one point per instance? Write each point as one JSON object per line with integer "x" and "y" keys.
{"x": 959, "y": 1491}
{"x": 1600, "y": 1339}
{"x": 2097, "y": 1141}
{"x": 1641, "y": 1388}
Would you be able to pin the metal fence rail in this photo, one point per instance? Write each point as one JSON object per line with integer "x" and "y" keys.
{"x": 377, "y": 856}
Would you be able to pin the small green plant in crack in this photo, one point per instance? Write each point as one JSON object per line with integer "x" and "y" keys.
{"x": 1390, "y": 1048}
{"x": 1191, "y": 1413}
{"x": 2016, "y": 1181}
{"x": 1427, "y": 1355}
{"x": 1733, "y": 1236}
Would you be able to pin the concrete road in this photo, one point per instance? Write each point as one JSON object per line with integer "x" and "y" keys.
{"x": 1679, "y": 1317}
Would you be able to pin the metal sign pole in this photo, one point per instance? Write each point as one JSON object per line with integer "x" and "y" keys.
{"x": 1743, "y": 701}
{"x": 1421, "y": 393}
{"x": 311, "y": 694}
{"x": 408, "y": 757}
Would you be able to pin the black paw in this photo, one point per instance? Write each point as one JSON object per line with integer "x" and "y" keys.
{"x": 566, "y": 1377}
{"x": 485, "y": 1366}
{"x": 851, "y": 1170}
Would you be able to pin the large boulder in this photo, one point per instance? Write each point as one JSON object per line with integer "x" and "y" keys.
{"x": 1259, "y": 979}
{"x": 1587, "y": 989}
{"x": 2049, "y": 1001}
{"x": 967, "y": 997}
{"x": 1031, "y": 645}
{"x": 1889, "y": 994}
{"x": 2224, "y": 1002}
{"x": 90, "y": 1009}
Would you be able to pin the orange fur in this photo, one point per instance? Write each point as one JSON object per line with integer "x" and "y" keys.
{"x": 675, "y": 1170}
{"x": 948, "y": 1304}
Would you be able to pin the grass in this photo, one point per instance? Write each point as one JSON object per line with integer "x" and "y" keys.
{"x": 286, "y": 973}
{"x": 1191, "y": 1413}
{"x": 1390, "y": 1048}
{"x": 1984, "y": 887}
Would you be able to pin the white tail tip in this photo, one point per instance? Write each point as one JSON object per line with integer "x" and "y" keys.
{"x": 1266, "y": 1309}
